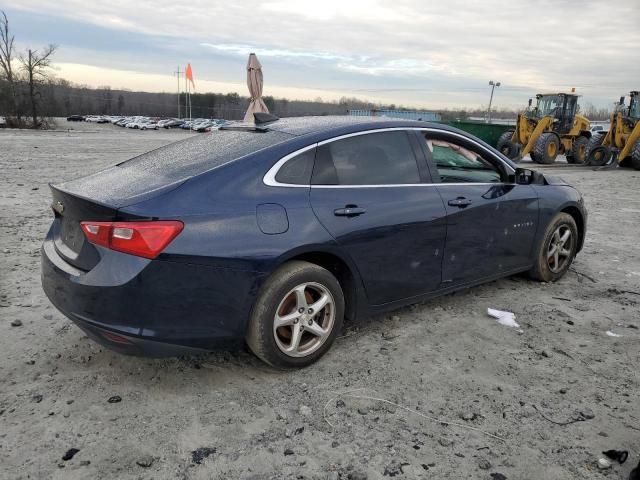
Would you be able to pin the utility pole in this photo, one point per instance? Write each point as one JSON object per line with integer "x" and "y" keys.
{"x": 493, "y": 86}
{"x": 178, "y": 73}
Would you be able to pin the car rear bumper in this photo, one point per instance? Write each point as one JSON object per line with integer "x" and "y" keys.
{"x": 151, "y": 307}
{"x": 124, "y": 343}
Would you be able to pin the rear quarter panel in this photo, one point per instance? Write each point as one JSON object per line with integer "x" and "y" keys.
{"x": 219, "y": 210}
{"x": 222, "y": 229}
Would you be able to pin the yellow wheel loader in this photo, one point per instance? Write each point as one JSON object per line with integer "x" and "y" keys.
{"x": 551, "y": 128}
{"x": 621, "y": 143}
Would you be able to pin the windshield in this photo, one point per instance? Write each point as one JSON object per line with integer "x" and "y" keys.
{"x": 547, "y": 105}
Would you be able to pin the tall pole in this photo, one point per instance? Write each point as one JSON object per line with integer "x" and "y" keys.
{"x": 493, "y": 86}
{"x": 188, "y": 106}
{"x": 178, "y": 73}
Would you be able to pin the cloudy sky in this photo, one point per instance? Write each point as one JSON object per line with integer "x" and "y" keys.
{"x": 433, "y": 54}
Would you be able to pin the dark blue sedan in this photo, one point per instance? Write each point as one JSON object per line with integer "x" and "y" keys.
{"x": 272, "y": 234}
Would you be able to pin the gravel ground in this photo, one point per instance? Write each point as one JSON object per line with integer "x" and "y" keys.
{"x": 448, "y": 392}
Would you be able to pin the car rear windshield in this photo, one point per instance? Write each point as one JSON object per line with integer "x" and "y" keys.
{"x": 201, "y": 153}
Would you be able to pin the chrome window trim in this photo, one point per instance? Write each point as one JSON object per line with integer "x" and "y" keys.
{"x": 400, "y": 185}
{"x": 269, "y": 178}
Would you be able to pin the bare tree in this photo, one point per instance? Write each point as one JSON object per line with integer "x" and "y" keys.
{"x": 7, "y": 51}
{"x": 35, "y": 66}
{"x": 120, "y": 105}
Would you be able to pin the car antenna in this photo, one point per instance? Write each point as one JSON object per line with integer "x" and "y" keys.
{"x": 261, "y": 117}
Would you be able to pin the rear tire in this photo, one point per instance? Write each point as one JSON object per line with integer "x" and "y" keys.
{"x": 557, "y": 249}
{"x": 635, "y": 155}
{"x": 287, "y": 299}
{"x": 578, "y": 151}
{"x": 510, "y": 149}
{"x": 546, "y": 148}
{"x": 505, "y": 145}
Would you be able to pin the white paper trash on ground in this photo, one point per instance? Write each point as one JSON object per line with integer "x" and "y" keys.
{"x": 507, "y": 319}
{"x": 611, "y": 334}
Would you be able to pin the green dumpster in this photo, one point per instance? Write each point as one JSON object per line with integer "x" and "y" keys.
{"x": 489, "y": 132}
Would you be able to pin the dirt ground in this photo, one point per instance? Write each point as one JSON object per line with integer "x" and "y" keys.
{"x": 450, "y": 392}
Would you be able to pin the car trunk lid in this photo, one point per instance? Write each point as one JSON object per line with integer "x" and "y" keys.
{"x": 68, "y": 238}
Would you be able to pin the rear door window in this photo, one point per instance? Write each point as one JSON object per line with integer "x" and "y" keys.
{"x": 384, "y": 158}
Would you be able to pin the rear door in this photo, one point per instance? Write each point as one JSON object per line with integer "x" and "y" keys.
{"x": 369, "y": 191}
{"x": 491, "y": 222}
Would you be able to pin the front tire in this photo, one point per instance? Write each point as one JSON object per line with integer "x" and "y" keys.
{"x": 546, "y": 148}
{"x": 297, "y": 316}
{"x": 557, "y": 249}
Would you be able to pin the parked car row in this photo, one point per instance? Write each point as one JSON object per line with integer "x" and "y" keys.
{"x": 150, "y": 123}
{"x": 204, "y": 124}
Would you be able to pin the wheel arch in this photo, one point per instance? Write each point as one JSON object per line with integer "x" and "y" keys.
{"x": 342, "y": 268}
{"x": 577, "y": 216}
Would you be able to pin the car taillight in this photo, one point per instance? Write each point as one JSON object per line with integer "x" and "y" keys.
{"x": 143, "y": 239}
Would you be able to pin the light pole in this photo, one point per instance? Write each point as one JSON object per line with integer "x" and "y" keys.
{"x": 493, "y": 86}
{"x": 178, "y": 73}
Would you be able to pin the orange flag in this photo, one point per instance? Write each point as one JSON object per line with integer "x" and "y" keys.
{"x": 188, "y": 73}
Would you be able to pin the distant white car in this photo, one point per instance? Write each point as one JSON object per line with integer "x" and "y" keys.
{"x": 137, "y": 122}
{"x": 96, "y": 119}
{"x": 149, "y": 126}
{"x": 597, "y": 129}
{"x": 3, "y": 122}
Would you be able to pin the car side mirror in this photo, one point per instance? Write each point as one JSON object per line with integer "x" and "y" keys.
{"x": 524, "y": 176}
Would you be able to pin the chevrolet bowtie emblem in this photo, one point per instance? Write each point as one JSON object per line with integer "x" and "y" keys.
{"x": 58, "y": 207}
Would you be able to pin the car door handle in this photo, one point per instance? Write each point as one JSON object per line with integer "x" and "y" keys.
{"x": 460, "y": 202}
{"x": 349, "y": 211}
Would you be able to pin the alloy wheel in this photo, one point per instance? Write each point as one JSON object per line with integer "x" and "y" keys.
{"x": 560, "y": 247}
{"x": 304, "y": 319}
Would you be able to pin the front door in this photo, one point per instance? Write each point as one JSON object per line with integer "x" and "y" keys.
{"x": 567, "y": 114}
{"x": 368, "y": 192}
{"x": 490, "y": 222}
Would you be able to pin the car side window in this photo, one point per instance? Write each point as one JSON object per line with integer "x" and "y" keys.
{"x": 456, "y": 164}
{"x": 297, "y": 170}
{"x": 384, "y": 158}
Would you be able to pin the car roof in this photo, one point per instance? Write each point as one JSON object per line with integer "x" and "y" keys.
{"x": 324, "y": 127}
{"x": 298, "y": 126}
